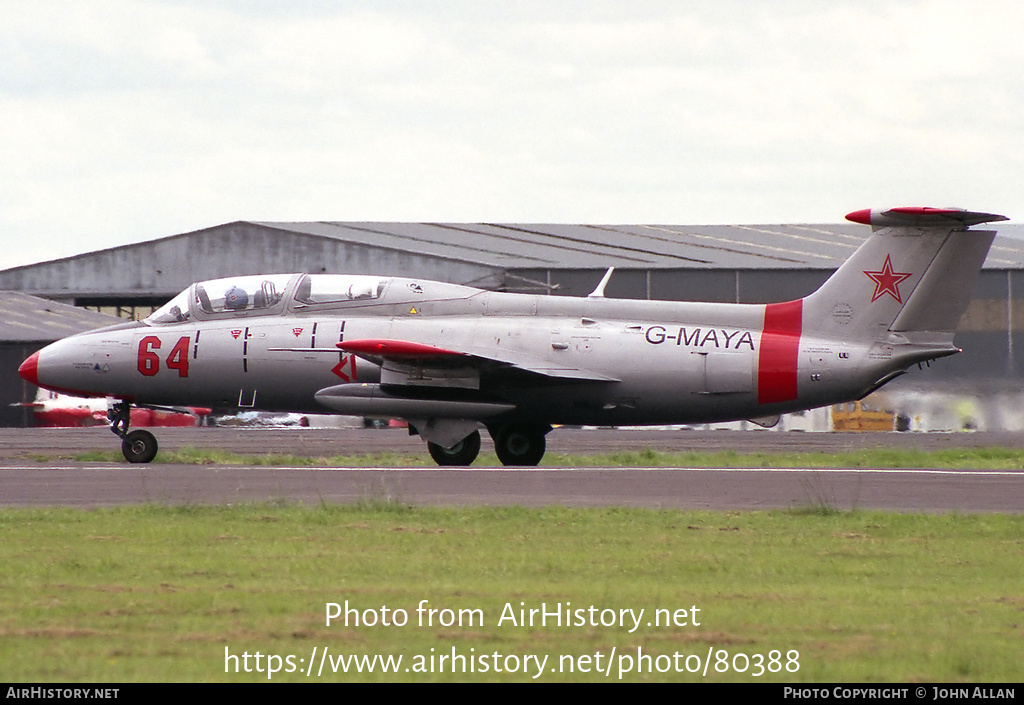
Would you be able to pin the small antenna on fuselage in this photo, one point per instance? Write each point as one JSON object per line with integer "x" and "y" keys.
{"x": 598, "y": 293}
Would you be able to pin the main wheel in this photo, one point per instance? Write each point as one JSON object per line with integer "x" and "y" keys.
{"x": 139, "y": 447}
{"x": 462, "y": 453}
{"x": 520, "y": 444}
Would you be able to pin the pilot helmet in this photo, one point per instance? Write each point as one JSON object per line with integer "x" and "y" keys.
{"x": 235, "y": 298}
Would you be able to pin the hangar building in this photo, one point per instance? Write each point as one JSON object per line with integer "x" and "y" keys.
{"x": 733, "y": 263}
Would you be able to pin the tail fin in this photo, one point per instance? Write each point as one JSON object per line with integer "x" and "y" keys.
{"x": 915, "y": 273}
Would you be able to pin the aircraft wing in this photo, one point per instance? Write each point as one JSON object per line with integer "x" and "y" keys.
{"x": 404, "y": 352}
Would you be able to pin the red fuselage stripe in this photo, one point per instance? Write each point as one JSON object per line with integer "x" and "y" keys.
{"x": 780, "y": 350}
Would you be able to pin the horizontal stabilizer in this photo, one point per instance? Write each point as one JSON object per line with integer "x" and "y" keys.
{"x": 921, "y": 217}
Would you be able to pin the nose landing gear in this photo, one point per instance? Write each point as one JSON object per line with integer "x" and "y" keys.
{"x": 137, "y": 446}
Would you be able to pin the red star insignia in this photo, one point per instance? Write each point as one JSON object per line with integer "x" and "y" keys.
{"x": 887, "y": 281}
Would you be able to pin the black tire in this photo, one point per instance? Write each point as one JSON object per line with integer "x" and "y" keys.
{"x": 462, "y": 453}
{"x": 520, "y": 444}
{"x": 139, "y": 447}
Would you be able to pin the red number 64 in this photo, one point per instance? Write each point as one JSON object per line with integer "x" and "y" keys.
{"x": 149, "y": 361}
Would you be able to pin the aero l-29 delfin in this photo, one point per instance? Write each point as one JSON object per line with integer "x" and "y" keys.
{"x": 451, "y": 359}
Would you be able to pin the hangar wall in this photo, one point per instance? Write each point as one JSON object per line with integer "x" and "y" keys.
{"x": 719, "y": 285}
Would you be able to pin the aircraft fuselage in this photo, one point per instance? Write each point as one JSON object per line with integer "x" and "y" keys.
{"x": 662, "y": 362}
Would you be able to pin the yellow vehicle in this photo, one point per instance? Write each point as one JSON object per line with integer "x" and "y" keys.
{"x": 861, "y": 416}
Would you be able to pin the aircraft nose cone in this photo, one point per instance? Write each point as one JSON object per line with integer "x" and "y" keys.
{"x": 29, "y": 369}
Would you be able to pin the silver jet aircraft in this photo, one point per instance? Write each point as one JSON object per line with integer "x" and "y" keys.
{"x": 450, "y": 359}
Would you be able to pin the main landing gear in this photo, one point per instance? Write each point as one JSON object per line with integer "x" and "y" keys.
{"x": 519, "y": 444}
{"x": 137, "y": 446}
{"x": 461, "y": 454}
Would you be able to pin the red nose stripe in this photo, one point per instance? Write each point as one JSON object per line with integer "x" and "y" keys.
{"x": 29, "y": 369}
{"x": 780, "y": 351}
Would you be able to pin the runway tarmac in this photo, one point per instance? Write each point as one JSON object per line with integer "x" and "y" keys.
{"x": 35, "y": 471}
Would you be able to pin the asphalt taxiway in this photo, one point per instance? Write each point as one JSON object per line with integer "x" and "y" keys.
{"x": 35, "y": 471}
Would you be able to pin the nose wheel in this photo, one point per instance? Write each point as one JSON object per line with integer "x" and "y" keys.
{"x": 137, "y": 446}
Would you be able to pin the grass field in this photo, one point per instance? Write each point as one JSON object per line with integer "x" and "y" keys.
{"x": 158, "y": 593}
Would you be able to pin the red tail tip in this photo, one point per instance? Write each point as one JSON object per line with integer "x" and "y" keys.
{"x": 29, "y": 369}
{"x": 862, "y": 216}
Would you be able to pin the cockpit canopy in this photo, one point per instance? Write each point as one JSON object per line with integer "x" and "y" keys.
{"x": 236, "y": 294}
{"x": 254, "y": 294}
{"x": 334, "y": 288}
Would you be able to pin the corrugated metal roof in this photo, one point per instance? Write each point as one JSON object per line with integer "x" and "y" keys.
{"x": 511, "y": 247}
{"x": 29, "y": 319}
{"x": 546, "y": 246}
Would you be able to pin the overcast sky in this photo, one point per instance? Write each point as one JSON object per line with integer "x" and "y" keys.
{"x": 123, "y": 121}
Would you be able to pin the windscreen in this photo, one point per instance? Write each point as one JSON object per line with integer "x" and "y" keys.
{"x": 174, "y": 311}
